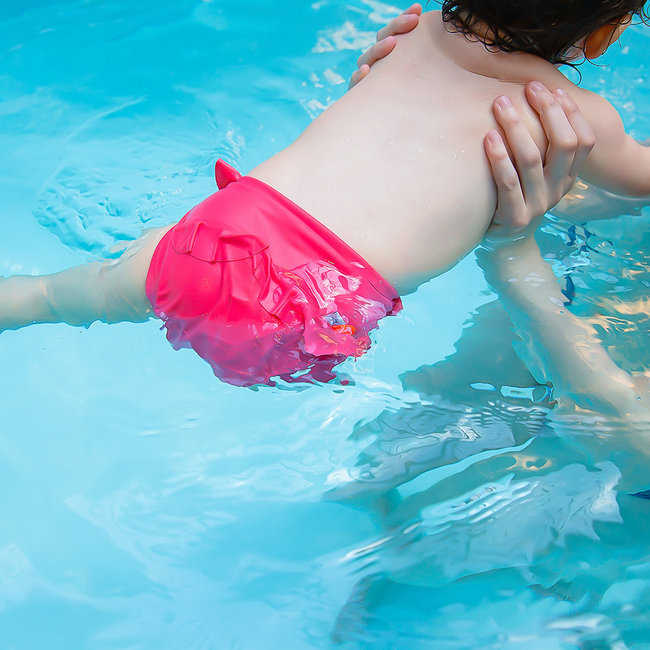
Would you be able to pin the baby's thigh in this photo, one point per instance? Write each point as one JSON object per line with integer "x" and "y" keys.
{"x": 123, "y": 279}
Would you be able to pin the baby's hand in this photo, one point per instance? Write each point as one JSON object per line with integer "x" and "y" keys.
{"x": 404, "y": 23}
{"x": 527, "y": 187}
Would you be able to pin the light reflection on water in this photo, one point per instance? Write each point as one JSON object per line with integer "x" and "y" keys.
{"x": 440, "y": 500}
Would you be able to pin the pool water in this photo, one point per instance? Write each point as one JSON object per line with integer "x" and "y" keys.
{"x": 440, "y": 500}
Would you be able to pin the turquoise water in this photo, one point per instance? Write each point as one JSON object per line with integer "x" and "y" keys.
{"x": 438, "y": 502}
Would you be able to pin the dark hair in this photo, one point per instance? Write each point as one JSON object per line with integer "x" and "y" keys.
{"x": 547, "y": 28}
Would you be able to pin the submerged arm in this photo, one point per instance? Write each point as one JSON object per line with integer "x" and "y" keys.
{"x": 557, "y": 346}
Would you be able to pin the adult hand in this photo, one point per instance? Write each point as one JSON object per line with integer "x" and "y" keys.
{"x": 404, "y": 23}
{"x": 528, "y": 185}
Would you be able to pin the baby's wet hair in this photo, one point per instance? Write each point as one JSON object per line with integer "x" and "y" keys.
{"x": 548, "y": 28}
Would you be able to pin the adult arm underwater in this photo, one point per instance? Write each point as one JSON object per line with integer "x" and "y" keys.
{"x": 557, "y": 345}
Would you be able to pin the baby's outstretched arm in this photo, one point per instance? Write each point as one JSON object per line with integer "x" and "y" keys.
{"x": 618, "y": 162}
{"x": 587, "y": 202}
{"x": 110, "y": 291}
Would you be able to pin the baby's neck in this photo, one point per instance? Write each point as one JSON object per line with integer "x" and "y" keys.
{"x": 476, "y": 53}
{"x": 479, "y": 31}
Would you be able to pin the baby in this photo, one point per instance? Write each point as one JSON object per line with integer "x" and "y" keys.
{"x": 285, "y": 271}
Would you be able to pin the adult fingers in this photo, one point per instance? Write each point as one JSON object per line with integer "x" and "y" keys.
{"x": 415, "y": 8}
{"x": 584, "y": 132}
{"x": 561, "y": 136}
{"x": 525, "y": 154}
{"x": 511, "y": 206}
{"x": 403, "y": 23}
{"x": 358, "y": 75}
{"x": 377, "y": 51}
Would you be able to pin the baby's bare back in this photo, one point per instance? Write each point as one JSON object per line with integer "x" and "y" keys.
{"x": 396, "y": 167}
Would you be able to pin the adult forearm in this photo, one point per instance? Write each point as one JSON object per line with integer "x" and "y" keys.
{"x": 558, "y": 346}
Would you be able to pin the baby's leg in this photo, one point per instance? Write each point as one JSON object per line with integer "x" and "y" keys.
{"x": 110, "y": 291}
